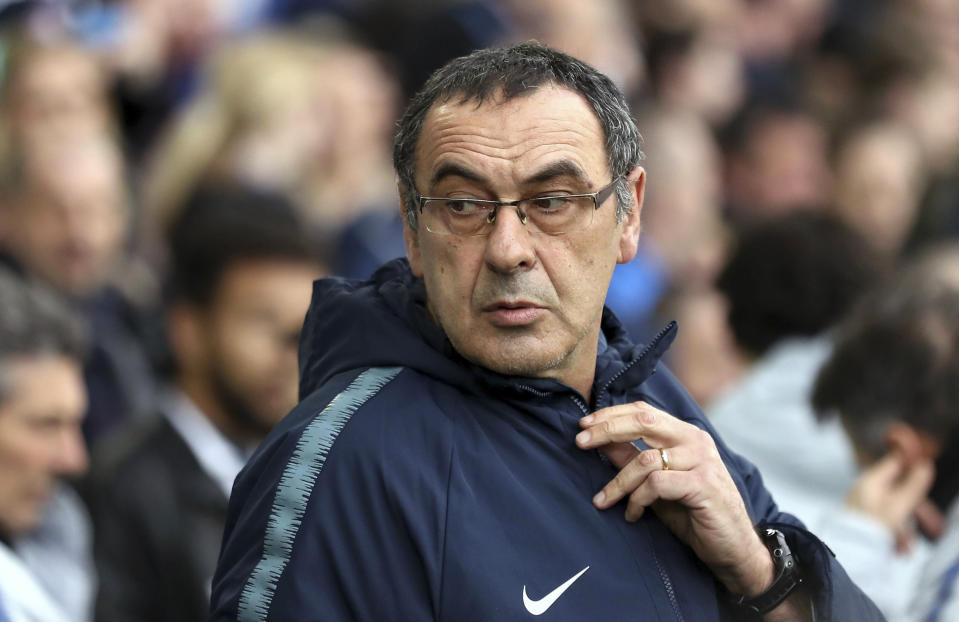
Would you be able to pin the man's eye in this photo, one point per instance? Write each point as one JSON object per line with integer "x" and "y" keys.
{"x": 462, "y": 207}
{"x": 551, "y": 204}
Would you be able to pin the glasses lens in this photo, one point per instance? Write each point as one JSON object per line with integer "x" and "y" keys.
{"x": 455, "y": 216}
{"x": 555, "y": 215}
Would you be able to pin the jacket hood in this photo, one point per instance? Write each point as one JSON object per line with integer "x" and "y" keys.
{"x": 383, "y": 321}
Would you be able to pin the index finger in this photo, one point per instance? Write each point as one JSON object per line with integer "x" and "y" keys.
{"x": 629, "y": 422}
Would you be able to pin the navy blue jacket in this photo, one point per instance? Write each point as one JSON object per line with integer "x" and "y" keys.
{"x": 412, "y": 485}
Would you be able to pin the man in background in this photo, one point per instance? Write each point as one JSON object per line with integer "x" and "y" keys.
{"x": 242, "y": 269}
{"x": 45, "y": 567}
{"x": 891, "y": 382}
{"x": 788, "y": 282}
{"x": 63, "y": 222}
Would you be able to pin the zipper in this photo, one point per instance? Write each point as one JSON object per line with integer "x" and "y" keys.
{"x": 573, "y": 396}
{"x": 576, "y": 400}
{"x": 580, "y": 403}
{"x": 649, "y": 346}
{"x": 536, "y": 392}
{"x": 668, "y": 584}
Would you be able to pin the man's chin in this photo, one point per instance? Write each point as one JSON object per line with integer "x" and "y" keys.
{"x": 519, "y": 361}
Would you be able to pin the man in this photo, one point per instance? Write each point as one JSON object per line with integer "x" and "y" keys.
{"x": 789, "y": 280}
{"x": 442, "y": 464}
{"x": 63, "y": 222}
{"x": 45, "y": 569}
{"x": 891, "y": 382}
{"x": 243, "y": 264}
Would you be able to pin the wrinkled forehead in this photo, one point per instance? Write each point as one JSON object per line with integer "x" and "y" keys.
{"x": 543, "y": 97}
{"x": 540, "y": 124}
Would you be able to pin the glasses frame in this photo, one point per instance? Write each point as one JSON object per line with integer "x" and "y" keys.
{"x": 599, "y": 197}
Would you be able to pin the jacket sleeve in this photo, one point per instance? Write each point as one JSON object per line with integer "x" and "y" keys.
{"x": 835, "y": 597}
{"x": 333, "y": 522}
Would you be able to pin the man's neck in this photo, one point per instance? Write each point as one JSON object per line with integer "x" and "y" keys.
{"x": 584, "y": 384}
{"x": 582, "y": 374}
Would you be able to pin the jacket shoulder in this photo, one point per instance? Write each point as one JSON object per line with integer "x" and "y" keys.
{"x": 148, "y": 451}
{"x": 349, "y": 489}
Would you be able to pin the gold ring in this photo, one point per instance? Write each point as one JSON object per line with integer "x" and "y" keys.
{"x": 665, "y": 457}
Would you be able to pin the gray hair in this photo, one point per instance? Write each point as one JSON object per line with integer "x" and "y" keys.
{"x": 515, "y": 71}
{"x": 34, "y": 322}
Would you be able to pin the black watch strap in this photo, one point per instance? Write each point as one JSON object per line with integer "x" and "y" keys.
{"x": 788, "y": 577}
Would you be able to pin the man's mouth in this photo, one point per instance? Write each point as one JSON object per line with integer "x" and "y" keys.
{"x": 513, "y": 313}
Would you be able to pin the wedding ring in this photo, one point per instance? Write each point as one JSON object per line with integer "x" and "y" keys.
{"x": 665, "y": 457}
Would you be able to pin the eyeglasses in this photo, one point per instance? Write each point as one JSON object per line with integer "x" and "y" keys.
{"x": 552, "y": 215}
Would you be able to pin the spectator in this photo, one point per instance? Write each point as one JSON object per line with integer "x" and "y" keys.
{"x": 879, "y": 181}
{"x": 53, "y": 91}
{"x": 64, "y": 222}
{"x": 45, "y": 565}
{"x": 268, "y": 137}
{"x": 243, "y": 264}
{"x": 598, "y": 32}
{"x": 697, "y": 70}
{"x": 788, "y": 282}
{"x": 317, "y": 130}
{"x": 776, "y": 161}
{"x": 892, "y": 382}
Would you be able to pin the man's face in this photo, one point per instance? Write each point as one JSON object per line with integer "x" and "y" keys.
{"x": 69, "y": 228}
{"x": 58, "y": 95}
{"x": 520, "y": 302}
{"x": 40, "y": 438}
{"x": 250, "y": 341}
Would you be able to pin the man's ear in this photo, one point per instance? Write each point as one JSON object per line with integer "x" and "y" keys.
{"x": 913, "y": 444}
{"x": 411, "y": 239}
{"x": 629, "y": 238}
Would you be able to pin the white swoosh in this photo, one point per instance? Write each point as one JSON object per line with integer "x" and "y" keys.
{"x": 537, "y": 607}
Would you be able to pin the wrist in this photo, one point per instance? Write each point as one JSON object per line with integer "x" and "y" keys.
{"x": 754, "y": 574}
{"x": 786, "y": 577}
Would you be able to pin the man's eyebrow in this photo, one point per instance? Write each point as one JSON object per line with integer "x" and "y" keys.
{"x": 451, "y": 169}
{"x": 562, "y": 168}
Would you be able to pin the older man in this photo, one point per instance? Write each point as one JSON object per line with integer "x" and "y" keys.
{"x": 474, "y": 425}
{"x": 45, "y": 565}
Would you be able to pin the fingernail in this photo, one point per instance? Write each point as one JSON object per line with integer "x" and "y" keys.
{"x": 588, "y": 419}
{"x": 583, "y": 437}
{"x": 600, "y": 498}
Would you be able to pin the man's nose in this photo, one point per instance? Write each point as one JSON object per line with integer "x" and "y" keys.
{"x": 71, "y": 458}
{"x": 509, "y": 246}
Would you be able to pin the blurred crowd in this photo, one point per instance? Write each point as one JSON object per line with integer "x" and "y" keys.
{"x": 175, "y": 173}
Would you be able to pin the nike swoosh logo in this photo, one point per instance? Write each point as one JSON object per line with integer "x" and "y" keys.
{"x": 538, "y": 607}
